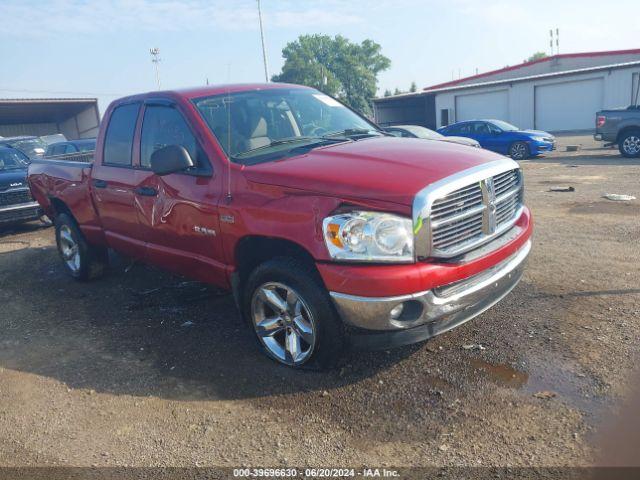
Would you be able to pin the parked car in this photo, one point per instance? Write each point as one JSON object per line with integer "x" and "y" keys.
{"x": 620, "y": 126}
{"x": 53, "y": 138}
{"x": 32, "y": 147}
{"x": 71, "y": 146}
{"x": 417, "y": 131}
{"x": 502, "y": 137}
{"x": 16, "y": 203}
{"x": 329, "y": 233}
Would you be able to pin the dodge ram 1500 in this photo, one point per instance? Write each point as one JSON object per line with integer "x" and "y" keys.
{"x": 329, "y": 232}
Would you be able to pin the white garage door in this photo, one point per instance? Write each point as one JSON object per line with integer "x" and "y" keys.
{"x": 568, "y": 105}
{"x": 494, "y": 105}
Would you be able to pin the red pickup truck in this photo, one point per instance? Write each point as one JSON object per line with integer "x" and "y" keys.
{"x": 329, "y": 232}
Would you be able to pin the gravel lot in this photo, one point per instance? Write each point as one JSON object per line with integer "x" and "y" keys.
{"x": 145, "y": 369}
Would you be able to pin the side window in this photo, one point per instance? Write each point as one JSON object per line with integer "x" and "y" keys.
{"x": 118, "y": 142}
{"x": 481, "y": 128}
{"x": 71, "y": 149}
{"x": 163, "y": 126}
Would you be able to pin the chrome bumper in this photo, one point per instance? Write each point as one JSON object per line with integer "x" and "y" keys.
{"x": 20, "y": 212}
{"x": 430, "y": 313}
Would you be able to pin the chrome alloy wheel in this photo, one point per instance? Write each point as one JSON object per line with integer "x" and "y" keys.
{"x": 631, "y": 145}
{"x": 69, "y": 249}
{"x": 518, "y": 151}
{"x": 283, "y": 323}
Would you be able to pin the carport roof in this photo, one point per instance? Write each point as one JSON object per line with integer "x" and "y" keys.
{"x": 42, "y": 110}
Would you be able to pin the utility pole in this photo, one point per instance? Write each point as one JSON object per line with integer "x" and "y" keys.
{"x": 155, "y": 59}
{"x": 264, "y": 50}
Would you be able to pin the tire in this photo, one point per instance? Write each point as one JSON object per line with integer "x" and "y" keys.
{"x": 81, "y": 260}
{"x": 629, "y": 144}
{"x": 309, "y": 315}
{"x": 519, "y": 151}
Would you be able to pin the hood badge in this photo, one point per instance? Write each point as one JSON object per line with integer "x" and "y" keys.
{"x": 17, "y": 184}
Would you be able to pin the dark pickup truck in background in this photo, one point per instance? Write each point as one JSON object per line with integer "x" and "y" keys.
{"x": 620, "y": 127}
{"x": 16, "y": 203}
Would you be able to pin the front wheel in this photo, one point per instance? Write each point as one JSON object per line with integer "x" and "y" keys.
{"x": 81, "y": 260}
{"x": 519, "y": 151}
{"x": 291, "y": 314}
{"x": 629, "y": 144}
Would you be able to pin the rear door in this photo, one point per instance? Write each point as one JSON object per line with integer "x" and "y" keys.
{"x": 113, "y": 180}
{"x": 178, "y": 213}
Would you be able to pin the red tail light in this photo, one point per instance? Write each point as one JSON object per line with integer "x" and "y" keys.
{"x": 600, "y": 120}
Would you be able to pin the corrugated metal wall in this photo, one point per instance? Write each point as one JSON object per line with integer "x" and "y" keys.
{"x": 28, "y": 129}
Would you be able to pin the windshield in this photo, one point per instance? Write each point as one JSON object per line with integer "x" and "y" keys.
{"x": 32, "y": 147}
{"x": 507, "y": 127}
{"x": 276, "y": 121}
{"x": 423, "y": 132}
{"x": 11, "y": 160}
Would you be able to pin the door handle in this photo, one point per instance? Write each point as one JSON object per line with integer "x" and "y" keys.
{"x": 146, "y": 191}
{"x": 100, "y": 183}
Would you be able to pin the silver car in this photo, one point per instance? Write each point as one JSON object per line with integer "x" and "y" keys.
{"x": 416, "y": 131}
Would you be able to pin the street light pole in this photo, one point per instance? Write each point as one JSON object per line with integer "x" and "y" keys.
{"x": 264, "y": 50}
{"x": 155, "y": 58}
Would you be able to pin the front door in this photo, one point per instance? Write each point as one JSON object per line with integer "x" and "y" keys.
{"x": 178, "y": 213}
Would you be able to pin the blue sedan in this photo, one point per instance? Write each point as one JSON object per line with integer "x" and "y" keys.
{"x": 503, "y": 137}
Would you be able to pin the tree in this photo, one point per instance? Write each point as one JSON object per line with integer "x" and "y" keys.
{"x": 536, "y": 56}
{"x": 413, "y": 87}
{"x": 387, "y": 93}
{"x": 335, "y": 66}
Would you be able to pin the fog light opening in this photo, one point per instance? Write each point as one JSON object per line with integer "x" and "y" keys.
{"x": 406, "y": 312}
{"x": 396, "y": 311}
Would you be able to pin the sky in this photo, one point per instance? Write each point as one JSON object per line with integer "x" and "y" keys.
{"x": 75, "y": 48}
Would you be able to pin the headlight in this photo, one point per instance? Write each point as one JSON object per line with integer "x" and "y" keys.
{"x": 369, "y": 237}
{"x": 539, "y": 139}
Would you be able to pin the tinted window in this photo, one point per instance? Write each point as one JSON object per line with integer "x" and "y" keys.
{"x": 12, "y": 160}
{"x": 163, "y": 126}
{"x": 118, "y": 142}
{"x": 480, "y": 128}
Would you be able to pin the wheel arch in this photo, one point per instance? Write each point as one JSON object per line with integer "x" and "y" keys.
{"x": 252, "y": 250}
{"x": 625, "y": 130}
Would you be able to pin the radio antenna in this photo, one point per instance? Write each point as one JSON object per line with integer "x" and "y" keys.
{"x": 228, "y": 106}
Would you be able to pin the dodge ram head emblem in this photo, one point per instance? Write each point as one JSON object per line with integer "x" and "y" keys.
{"x": 489, "y": 200}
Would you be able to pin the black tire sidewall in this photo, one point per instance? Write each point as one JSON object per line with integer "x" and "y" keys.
{"x": 304, "y": 279}
{"x": 83, "y": 248}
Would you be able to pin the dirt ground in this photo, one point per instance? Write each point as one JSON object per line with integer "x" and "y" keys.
{"x": 145, "y": 369}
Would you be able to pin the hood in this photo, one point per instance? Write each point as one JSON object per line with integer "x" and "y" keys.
{"x": 383, "y": 169}
{"x": 460, "y": 140}
{"x": 535, "y": 133}
{"x": 13, "y": 179}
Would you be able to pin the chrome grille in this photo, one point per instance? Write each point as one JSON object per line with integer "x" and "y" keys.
{"x": 15, "y": 197}
{"x": 470, "y": 215}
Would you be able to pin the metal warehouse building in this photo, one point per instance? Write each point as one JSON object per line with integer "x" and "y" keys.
{"x": 557, "y": 93}
{"x": 74, "y": 117}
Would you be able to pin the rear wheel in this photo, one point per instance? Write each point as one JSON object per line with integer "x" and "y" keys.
{"x": 519, "y": 151}
{"x": 81, "y": 260}
{"x": 629, "y": 144}
{"x": 286, "y": 304}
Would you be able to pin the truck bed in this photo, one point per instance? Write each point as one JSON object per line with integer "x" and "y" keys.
{"x": 60, "y": 184}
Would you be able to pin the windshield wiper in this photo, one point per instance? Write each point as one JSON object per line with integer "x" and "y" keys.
{"x": 284, "y": 141}
{"x": 355, "y": 132}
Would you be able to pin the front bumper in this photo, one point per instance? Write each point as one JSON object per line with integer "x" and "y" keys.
{"x": 431, "y": 312}
{"x": 20, "y": 213}
{"x": 541, "y": 147}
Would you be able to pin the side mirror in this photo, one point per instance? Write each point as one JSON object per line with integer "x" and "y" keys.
{"x": 170, "y": 159}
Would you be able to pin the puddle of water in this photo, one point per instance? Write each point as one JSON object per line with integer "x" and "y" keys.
{"x": 502, "y": 374}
